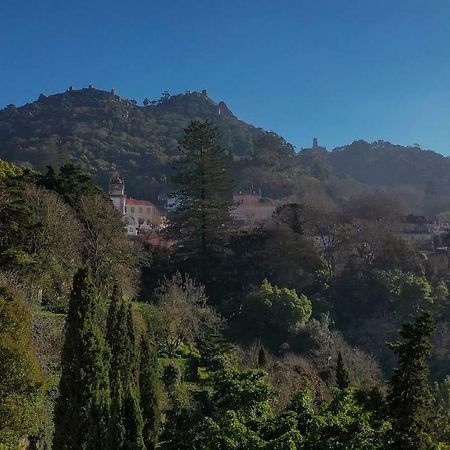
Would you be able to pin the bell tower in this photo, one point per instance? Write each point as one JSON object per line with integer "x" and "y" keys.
{"x": 116, "y": 191}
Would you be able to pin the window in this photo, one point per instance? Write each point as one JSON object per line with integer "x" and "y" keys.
{"x": 149, "y": 210}
{"x": 132, "y": 209}
{"x": 140, "y": 209}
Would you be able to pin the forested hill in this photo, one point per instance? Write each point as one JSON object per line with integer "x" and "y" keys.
{"x": 103, "y": 132}
{"x": 383, "y": 163}
{"x": 420, "y": 177}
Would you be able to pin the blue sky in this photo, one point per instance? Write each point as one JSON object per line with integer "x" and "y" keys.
{"x": 336, "y": 69}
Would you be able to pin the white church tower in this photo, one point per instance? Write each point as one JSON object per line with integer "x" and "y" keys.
{"x": 116, "y": 191}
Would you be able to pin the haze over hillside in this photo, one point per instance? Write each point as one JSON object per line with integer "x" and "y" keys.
{"x": 104, "y": 133}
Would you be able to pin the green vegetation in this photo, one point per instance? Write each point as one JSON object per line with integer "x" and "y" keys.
{"x": 201, "y": 218}
{"x": 82, "y": 409}
{"x": 230, "y": 338}
{"x": 22, "y": 383}
{"x": 103, "y": 133}
{"x": 409, "y": 394}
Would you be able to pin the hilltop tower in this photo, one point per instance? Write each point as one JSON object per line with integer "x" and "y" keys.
{"x": 316, "y": 148}
{"x": 116, "y": 191}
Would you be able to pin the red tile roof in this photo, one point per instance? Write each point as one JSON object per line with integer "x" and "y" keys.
{"x": 134, "y": 202}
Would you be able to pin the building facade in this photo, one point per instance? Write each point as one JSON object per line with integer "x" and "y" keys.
{"x": 138, "y": 215}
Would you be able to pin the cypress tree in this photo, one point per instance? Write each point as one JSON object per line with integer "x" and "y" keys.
{"x": 262, "y": 358}
{"x": 199, "y": 221}
{"x": 81, "y": 411}
{"x": 342, "y": 378}
{"x": 126, "y": 424}
{"x": 149, "y": 388}
{"x": 409, "y": 395}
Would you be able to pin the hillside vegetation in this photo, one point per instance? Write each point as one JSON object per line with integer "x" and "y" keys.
{"x": 103, "y": 133}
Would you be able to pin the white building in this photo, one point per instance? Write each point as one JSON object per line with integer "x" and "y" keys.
{"x": 138, "y": 215}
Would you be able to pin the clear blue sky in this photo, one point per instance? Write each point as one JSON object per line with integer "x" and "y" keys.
{"x": 336, "y": 69}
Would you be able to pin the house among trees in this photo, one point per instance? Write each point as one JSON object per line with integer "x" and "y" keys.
{"x": 416, "y": 229}
{"x": 138, "y": 215}
{"x": 251, "y": 209}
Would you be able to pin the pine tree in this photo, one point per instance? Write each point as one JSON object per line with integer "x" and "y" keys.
{"x": 409, "y": 395}
{"x": 342, "y": 378}
{"x": 126, "y": 424}
{"x": 149, "y": 388}
{"x": 201, "y": 217}
{"x": 82, "y": 409}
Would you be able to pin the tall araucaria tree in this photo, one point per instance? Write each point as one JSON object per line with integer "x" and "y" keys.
{"x": 82, "y": 409}
{"x": 409, "y": 395}
{"x": 201, "y": 215}
{"x": 126, "y": 423}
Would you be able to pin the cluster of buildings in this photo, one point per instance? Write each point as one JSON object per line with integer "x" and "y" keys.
{"x": 251, "y": 210}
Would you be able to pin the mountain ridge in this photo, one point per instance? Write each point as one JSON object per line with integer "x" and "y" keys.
{"x": 106, "y": 133}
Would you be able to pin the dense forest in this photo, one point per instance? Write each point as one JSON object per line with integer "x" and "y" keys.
{"x": 102, "y": 132}
{"x": 322, "y": 329}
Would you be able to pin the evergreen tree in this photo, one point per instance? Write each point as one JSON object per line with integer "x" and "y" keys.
{"x": 342, "y": 378}
{"x": 409, "y": 395}
{"x": 126, "y": 424}
{"x": 201, "y": 216}
{"x": 262, "y": 358}
{"x": 149, "y": 387}
{"x": 82, "y": 409}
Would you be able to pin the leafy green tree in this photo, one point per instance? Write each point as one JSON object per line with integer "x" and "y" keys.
{"x": 21, "y": 380}
{"x": 238, "y": 414}
{"x": 126, "y": 423}
{"x": 182, "y": 314}
{"x": 409, "y": 395}
{"x": 82, "y": 409}
{"x": 149, "y": 389}
{"x": 201, "y": 218}
{"x": 440, "y": 418}
{"x": 348, "y": 421}
{"x": 19, "y": 224}
{"x": 342, "y": 378}
{"x": 414, "y": 295}
{"x": 440, "y": 298}
{"x": 343, "y": 423}
{"x": 289, "y": 259}
{"x": 71, "y": 183}
{"x": 270, "y": 313}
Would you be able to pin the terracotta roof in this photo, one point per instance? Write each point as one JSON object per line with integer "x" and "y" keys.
{"x": 134, "y": 202}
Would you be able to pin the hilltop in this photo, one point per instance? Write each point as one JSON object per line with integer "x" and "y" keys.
{"x": 104, "y": 133}
{"x": 420, "y": 177}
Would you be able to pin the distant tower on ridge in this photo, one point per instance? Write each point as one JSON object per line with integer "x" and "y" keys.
{"x": 316, "y": 147}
